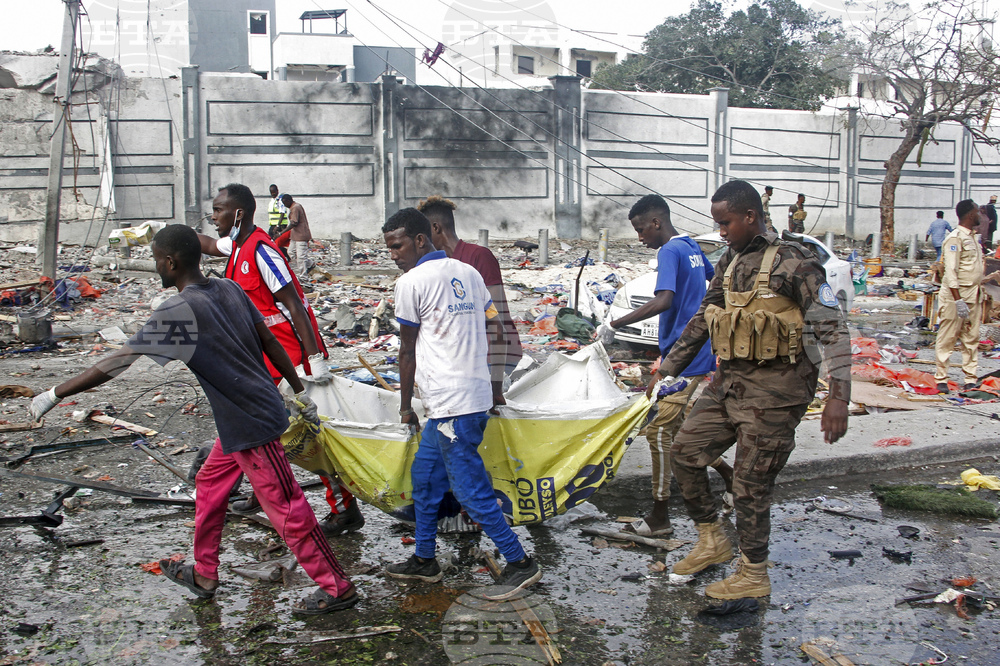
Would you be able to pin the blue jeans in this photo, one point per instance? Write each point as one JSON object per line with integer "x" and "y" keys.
{"x": 937, "y": 248}
{"x": 448, "y": 458}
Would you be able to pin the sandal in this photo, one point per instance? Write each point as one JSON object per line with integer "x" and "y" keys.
{"x": 642, "y": 528}
{"x": 310, "y": 605}
{"x": 183, "y": 574}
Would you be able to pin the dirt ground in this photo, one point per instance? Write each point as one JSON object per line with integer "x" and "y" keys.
{"x": 94, "y": 604}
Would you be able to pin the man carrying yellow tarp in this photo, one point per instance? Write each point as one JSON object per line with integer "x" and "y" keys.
{"x": 440, "y": 305}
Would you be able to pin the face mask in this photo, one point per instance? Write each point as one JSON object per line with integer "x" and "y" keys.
{"x": 235, "y": 231}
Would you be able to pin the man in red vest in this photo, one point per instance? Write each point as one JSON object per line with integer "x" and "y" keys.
{"x": 258, "y": 266}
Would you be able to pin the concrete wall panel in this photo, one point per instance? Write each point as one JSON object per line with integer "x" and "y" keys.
{"x": 476, "y": 182}
{"x": 910, "y": 196}
{"x": 878, "y": 148}
{"x": 645, "y": 128}
{"x": 321, "y": 179}
{"x": 144, "y": 137}
{"x": 748, "y": 141}
{"x": 638, "y": 181}
{"x": 474, "y": 125}
{"x": 285, "y": 118}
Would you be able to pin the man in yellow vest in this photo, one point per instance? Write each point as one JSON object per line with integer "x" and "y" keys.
{"x": 960, "y": 301}
{"x": 770, "y": 313}
{"x": 277, "y": 214}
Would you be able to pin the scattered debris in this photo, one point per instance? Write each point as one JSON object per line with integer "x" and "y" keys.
{"x": 886, "y": 442}
{"x": 154, "y": 566}
{"x": 897, "y": 555}
{"x": 973, "y": 480}
{"x": 313, "y": 637}
{"x": 612, "y": 535}
{"x": 269, "y": 571}
{"x": 814, "y": 652}
{"x": 921, "y": 497}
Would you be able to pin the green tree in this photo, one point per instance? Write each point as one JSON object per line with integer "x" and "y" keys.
{"x": 773, "y": 54}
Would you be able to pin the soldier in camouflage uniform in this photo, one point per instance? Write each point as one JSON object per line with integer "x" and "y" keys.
{"x": 755, "y": 404}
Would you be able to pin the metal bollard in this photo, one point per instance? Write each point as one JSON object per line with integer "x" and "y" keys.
{"x": 484, "y": 237}
{"x": 543, "y": 247}
{"x": 829, "y": 240}
{"x": 602, "y": 244}
{"x": 877, "y": 244}
{"x": 345, "y": 248}
{"x": 911, "y": 255}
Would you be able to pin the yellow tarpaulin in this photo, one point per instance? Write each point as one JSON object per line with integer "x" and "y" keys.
{"x": 561, "y": 436}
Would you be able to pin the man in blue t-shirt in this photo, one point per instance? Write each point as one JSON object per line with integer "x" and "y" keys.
{"x": 682, "y": 273}
{"x": 937, "y": 231}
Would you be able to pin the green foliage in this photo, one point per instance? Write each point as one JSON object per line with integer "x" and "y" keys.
{"x": 955, "y": 501}
{"x": 773, "y": 54}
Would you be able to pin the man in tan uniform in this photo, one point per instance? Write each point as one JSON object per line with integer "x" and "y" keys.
{"x": 766, "y": 203}
{"x": 959, "y": 301}
{"x": 773, "y": 318}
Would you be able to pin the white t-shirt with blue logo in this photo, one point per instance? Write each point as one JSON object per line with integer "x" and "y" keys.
{"x": 449, "y": 302}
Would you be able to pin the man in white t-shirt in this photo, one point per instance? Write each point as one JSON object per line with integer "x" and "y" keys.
{"x": 442, "y": 306}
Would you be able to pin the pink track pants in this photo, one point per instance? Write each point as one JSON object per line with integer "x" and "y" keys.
{"x": 280, "y": 496}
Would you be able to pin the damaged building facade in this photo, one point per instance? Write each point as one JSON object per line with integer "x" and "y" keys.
{"x": 149, "y": 140}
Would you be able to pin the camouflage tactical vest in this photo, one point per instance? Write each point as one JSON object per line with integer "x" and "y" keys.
{"x": 756, "y": 325}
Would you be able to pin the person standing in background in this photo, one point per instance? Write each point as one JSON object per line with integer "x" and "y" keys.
{"x": 766, "y": 201}
{"x": 276, "y": 214}
{"x": 959, "y": 301}
{"x": 440, "y": 212}
{"x": 937, "y": 231}
{"x": 299, "y": 235}
{"x": 991, "y": 213}
{"x": 797, "y": 216}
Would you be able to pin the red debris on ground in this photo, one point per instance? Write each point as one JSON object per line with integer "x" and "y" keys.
{"x": 154, "y": 566}
{"x": 886, "y": 442}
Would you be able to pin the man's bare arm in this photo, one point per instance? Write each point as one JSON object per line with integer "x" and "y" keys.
{"x": 210, "y": 246}
{"x": 288, "y": 297}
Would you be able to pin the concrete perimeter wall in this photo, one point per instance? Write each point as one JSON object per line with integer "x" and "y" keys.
{"x": 515, "y": 161}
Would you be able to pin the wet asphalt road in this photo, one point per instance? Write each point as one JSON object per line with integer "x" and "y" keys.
{"x": 601, "y": 603}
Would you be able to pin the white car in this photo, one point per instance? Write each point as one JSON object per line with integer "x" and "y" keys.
{"x": 640, "y": 290}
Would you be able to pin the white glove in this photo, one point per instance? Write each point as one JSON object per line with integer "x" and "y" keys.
{"x": 320, "y": 369}
{"x": 962, "y": 309}
{"x": 42, "y": 403}
{"x": 666, "y": 381}
{"x": 605, "y": 334}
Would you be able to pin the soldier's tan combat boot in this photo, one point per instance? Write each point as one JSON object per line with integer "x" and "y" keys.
{"x": 749, "y": 580}
{"x": 713, "y": 547}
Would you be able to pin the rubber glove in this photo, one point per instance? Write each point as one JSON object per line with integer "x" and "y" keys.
{"x": 605, "y": 334}
{"x": 320, "y": 370}
{"x": 42, "y": 403}
{"x": 962, "y": 309}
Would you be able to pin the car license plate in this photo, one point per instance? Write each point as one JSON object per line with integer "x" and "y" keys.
{"x": 650, "y": 330}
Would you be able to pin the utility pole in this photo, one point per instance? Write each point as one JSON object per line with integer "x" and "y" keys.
{"x": 48, "y": 234}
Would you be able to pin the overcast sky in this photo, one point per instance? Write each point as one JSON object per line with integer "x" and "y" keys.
{"x": 33, "y": 25}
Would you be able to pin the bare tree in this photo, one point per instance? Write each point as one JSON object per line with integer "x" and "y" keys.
{"x": 933, "y": 65}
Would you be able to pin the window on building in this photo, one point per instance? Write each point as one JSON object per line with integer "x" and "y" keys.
{"x": 583, "y": 67}
{"x": 258, "y": 23}
{"x": 525, "y": 64}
